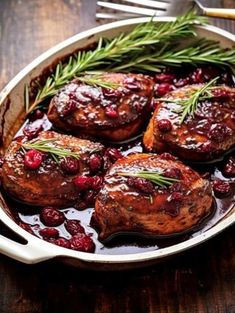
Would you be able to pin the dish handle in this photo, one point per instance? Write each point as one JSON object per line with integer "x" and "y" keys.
{"x": 27, "y": 253}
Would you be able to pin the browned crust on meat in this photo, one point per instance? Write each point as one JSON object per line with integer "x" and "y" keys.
{"x": 191, "y": 140}
{"x": 48, "y": 185}
{"x": 119, "y": 208}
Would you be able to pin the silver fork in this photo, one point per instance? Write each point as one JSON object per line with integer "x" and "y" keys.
{"x": 135, "y": 8}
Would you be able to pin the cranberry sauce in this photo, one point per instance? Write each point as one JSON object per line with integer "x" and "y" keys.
{"x": 70, "y": 227}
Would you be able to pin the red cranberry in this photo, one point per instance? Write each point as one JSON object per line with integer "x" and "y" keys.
{"x": 164, "y": 88}
{"x": 197, "y": 76}
{"x": 95, "y": 162}
{"x": 164, "y": 78}
{"x": 97, "y": 182}
{"x": 62, "y": 242}
{"x": 164, "y": 125}
{"x": 229, "y": 168}
{"x": 26, "y": 227}
{"x": 173, "y": 173}
{"x": 49, "y": 232}
{"x": 111, "y": 93}
{"x": 74, "y": 227}
{"x": 83, "y": 182}
{"x": 176, "y": 197}
{"x": 33, "y": 159}
{"x": 32, "y": 130}
{"x": 233, "y": 116}
{"x": 70, "y": 165}
{"x": 178, "y": 187}
{"x": 219, "y": 132}
{"x": 141, "y": 184}
{"x": 154, "y": 104}
{"x": 132, "y": 83}
{"x": 182, "y": 82}
{"x": 82, "y": 242}
{"x": 221, "y": 93}
{"x": 36, "y": 115}
{"x": 68, "y": 109}
{"x": 89, "y": 198}
{"x": 221, "y": 188}
{"x": 113, "y": 154}
{"x": 207, "y": 147}
{"x": 111, "y": 112}
{"x": 168, "y": 156}
{"x": 51, "y": 217}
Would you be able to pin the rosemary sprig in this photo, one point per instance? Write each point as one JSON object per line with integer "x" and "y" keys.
{"x": 116, "y": 50}
{"x": 201, "y": 52}
{"x": 188, "y": 105}
{"x": 156, "y": 178}
{"x": 56, "y": 153}
{"x": 97, "y": 81}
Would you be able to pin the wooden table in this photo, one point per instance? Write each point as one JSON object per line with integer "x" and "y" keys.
{"x": 200, "y": 280}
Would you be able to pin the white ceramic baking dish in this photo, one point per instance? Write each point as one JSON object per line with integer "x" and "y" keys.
{"x": 11, "y": 110}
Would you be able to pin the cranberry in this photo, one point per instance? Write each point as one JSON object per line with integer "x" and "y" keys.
{"x": 95, "y": 162}
{"x": 111, "y": 93}
{"x": 168, "y": 156}
{"x": 176, "y": 197}
{"x": 49, "y": 232}
{"x": 197, "y": 76}
{"x": 26, "y": 227}
{"x": 36, "y": 115}
{"x": 132, "y": 83}
{"x": 221, "y": 93}
{"x": 164, "y": 125}
{"x": 229, "y": 168}
{"x": 82, "y": 242}
{"x": 221, "y": 188}
{"x": 219, "y": 132}
{"x": 70, "y": 165}
{"x": 141, "y": 184}
{"x": 182, "y": 82}
{"x": 113, "y": 154}
{"x": 178, "y": 187}
{"x": 32, "y": 130}
{"x": 164, "y": 78}
{"x": 89, "y": 198}
{"x": 74, "y": 227}
{"x": 97, "y": 182}
{"x": 62, "y": 242}
{"x": 154, "y": 104}
{"x": 83, "y": 182}
{"x": 68, "y": 109}
{"x": 164, "y": 88}
{"x": 51, "y": 217}
{"x": 33, "y": 159}
{"x": 173, "y": 173}
{"x": 207, "y": 147}
{"x": 233, "y": 116}
{"x": 111, "y": 112}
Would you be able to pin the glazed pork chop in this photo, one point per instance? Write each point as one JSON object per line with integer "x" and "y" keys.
{"x": 114, "y": 113}
{"x": 204, "y": 135}
{"x": 58, "y": 176}
{"x": 130, "y": 202}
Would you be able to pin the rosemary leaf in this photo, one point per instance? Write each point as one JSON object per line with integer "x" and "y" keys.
{"x": 156, "y": 178}
{"x": 96, "y": 80}
{"x": 56, "y": 153}
{"x": 188, "y": 105}
{"x": 109, "y": 53}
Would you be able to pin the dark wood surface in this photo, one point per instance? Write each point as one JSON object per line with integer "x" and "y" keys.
{"x": 200, "y": 280}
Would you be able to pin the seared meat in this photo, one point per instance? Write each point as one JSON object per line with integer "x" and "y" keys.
{"x": 206, "y": 135}
{"x": 130, "y": 204}
{"x": 113, "y": 113}
{"x": 38, "y": 178}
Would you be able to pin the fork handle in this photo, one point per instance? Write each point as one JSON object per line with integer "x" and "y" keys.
{"x": 222, "y": 13}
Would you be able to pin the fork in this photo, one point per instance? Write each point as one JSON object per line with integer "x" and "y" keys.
{"x": 135, "y": 8}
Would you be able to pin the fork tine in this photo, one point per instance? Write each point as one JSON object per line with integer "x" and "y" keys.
{"x": 150, "y": 3}
{"x": 129, "y": 9}
{"x": 118, "y": 16}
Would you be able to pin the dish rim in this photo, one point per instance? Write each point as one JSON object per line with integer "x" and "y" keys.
{"x": 46, "y": 248}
